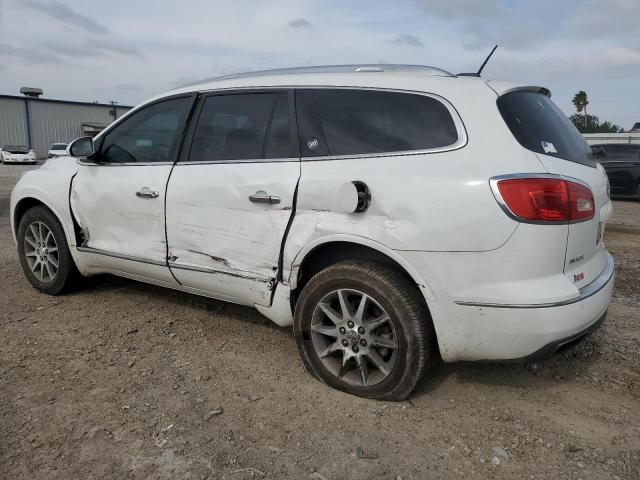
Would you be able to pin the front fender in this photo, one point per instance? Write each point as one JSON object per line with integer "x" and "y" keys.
{"x": 50, "y": 186}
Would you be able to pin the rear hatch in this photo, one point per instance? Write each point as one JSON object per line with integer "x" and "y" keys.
{"x": 541, "y": 127}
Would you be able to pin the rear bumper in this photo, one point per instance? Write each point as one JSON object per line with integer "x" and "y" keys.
{"x": 490, "y": 332}
{"x": 549, "y": 349}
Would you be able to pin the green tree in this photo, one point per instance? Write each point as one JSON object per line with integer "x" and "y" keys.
{"x": 580, "y": 101}
{"x": 591, "y": 124}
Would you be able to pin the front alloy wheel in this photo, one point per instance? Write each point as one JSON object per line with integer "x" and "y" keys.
{"x": 44, "y": 252}
{"x": 41, "y": 251}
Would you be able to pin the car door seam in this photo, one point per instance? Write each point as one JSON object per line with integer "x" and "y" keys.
{"x": 178, "y": 152}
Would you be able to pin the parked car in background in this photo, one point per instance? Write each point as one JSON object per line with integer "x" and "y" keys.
{"x": 57, "y": 150}
{"x": 390, "y": 214}
{"x": 635, "y": 128}
{"x": 17, "y": 154}
{"x": 621, "y": 161}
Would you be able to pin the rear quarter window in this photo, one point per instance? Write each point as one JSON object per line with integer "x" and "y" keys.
{"x": 540, "y": 126}
{"x": 360, "y": 122}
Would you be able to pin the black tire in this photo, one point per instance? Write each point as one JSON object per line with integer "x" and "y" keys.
{"x": 409, "y": 318}
{"x": 638, "y": 192}
{"x": 66, "y": 273}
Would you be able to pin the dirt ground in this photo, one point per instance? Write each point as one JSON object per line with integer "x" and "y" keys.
{"x": 127, "y": 381}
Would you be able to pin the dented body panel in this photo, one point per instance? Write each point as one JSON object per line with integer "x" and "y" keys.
{"x": 113, "y": 218}
{"x": 220, "y": 241}
{"x": 49, "y": 185}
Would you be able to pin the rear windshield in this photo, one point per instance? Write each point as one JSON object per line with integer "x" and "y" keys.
{"x": 15, "y": 149}
{"x": 59, "y": 146}
{"x": 540, "y": 126}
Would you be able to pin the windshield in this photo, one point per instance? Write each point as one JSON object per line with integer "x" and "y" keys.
{"x": 15, "y": 149}
{"x": 59, "y": 146}
{"x": 540, "y": 126}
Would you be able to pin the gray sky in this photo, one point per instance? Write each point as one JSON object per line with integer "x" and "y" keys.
{"x": 130, "y": 50}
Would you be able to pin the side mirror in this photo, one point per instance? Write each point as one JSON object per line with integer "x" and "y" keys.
{"x": 80, "y": 147}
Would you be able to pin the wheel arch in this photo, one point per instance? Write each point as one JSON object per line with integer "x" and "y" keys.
{"x": 30, "y": 201}
{"x": 328, "y": 250}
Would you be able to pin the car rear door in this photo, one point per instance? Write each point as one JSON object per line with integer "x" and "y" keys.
{"x": 231, "y": 194}
{"x": 540, "y": 126}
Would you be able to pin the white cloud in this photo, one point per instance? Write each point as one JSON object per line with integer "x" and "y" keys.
{"x": 406, "y": 39}
{"x": 93, "y": 50}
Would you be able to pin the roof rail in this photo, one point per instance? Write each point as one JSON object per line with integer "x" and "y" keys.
{"x": 368, "y": 68}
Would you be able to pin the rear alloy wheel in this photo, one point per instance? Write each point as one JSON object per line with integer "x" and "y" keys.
{"x": 354, "y": 338}
{"x": 44, "y": 253}
{"x": 363, "y": 328}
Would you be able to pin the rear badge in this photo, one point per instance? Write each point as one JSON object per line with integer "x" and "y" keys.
{"x": 577, "y": 259}
{"x": 548, "y": 147}
{"x": 577, "y": 277}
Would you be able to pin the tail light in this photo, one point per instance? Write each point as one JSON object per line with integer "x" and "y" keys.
{"x": 544, "y": 199}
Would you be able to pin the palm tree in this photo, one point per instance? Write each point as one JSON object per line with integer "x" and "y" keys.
{"x": 580, "y": 101}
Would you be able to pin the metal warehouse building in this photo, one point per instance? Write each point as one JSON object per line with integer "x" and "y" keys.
{"x": 39, "y": 122}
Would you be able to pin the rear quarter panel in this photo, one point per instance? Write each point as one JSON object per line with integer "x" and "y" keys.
{"x": 420, "y": 202}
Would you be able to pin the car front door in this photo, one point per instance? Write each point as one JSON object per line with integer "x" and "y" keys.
{"x": 231, "y": 195}
{"x": 117, "y": 197}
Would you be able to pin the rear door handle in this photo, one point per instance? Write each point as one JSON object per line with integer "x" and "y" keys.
{"x": 263, "y": 197}
{"x": 146, "y": 192}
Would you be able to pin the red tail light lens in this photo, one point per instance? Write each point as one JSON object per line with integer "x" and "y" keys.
{"x": 547, "y": 199}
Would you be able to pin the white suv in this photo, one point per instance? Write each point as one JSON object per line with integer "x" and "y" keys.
{"x": 391, "y": 214}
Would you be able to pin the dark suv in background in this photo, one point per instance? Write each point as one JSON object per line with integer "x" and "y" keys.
{"x": 622, "y": 164}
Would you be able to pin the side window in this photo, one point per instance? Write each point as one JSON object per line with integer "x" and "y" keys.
{"x": 243, "y": 127}
{"x": 146, "y": 136}
{"x": 367, "y": 121}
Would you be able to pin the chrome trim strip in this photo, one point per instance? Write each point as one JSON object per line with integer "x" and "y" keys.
{"x": 585, "y": 292}
{"x": 121, "y": 256}
{"x": 247, "y": 160}
{"x": 493, "y": 183}
{"x": 129, "y": 164}
{"x": 459, "y": 124}
{"x": 455, "y": 146}
{"x": 193, "y": 268}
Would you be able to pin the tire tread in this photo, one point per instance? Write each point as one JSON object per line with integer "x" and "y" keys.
{"x": 401, "y": 291}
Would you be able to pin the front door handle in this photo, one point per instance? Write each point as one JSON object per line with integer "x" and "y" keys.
{"x": 263, "y": 197}
{"x": 146, "y": 192}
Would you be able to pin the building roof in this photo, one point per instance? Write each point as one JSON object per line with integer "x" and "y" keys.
{"x": 69, "y": 102}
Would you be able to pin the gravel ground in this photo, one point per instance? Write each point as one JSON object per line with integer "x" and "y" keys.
{"x": 124, "y": 380}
